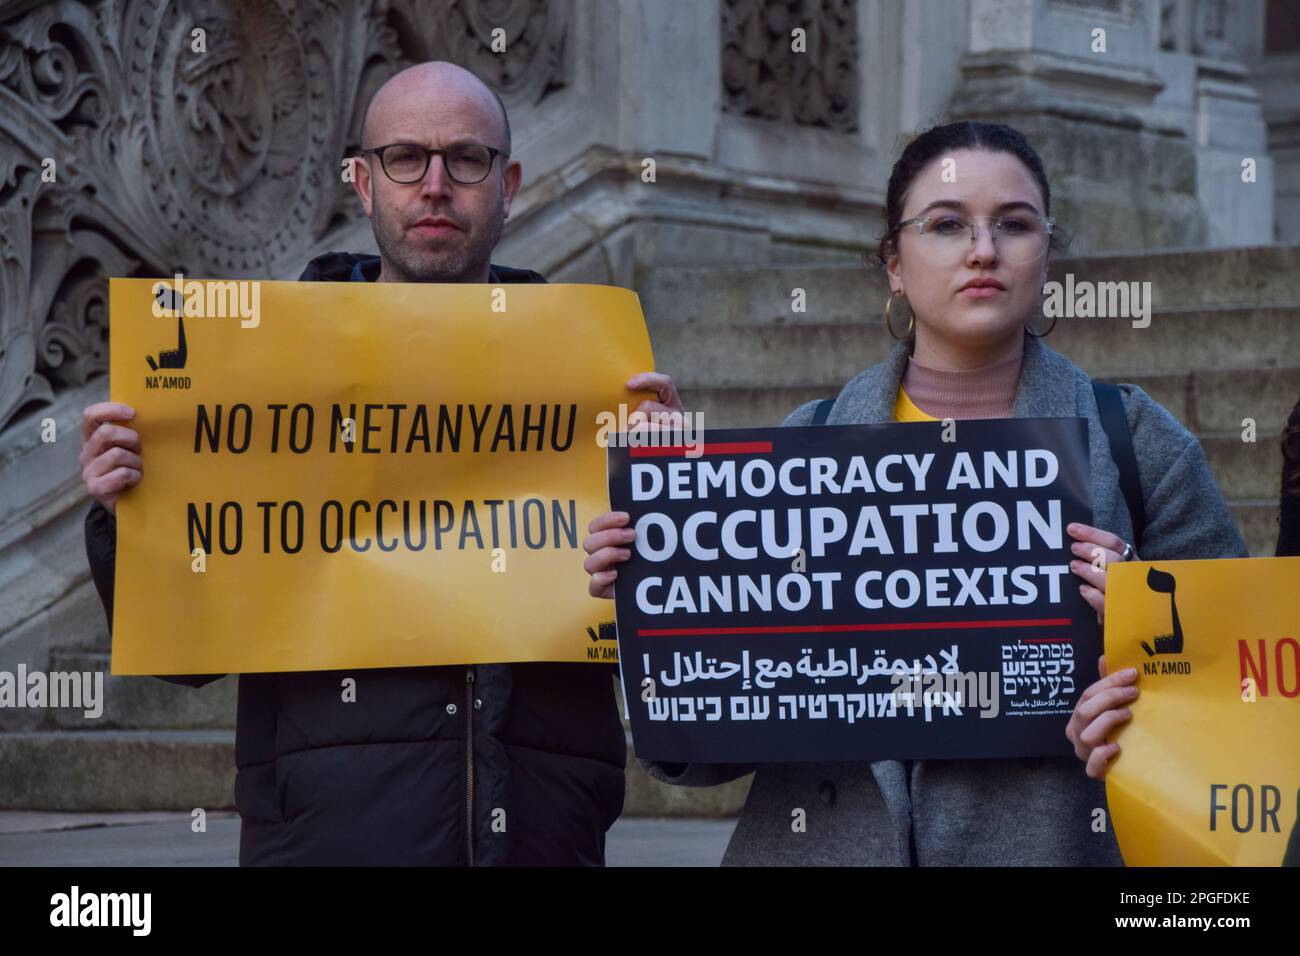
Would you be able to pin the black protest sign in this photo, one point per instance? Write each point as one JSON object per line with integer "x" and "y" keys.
{"x": 861, "y": 592}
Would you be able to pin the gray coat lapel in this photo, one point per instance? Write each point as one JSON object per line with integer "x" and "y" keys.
{"x": 869, "y": 397}
{"x": 1046, "y": 384}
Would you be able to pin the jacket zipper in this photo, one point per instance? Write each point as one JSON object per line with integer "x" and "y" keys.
{"x": 469, "y": 762}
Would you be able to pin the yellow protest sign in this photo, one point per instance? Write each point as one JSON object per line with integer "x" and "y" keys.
{"x": 1209, "y": 767}
{"x": 350, "y": 475}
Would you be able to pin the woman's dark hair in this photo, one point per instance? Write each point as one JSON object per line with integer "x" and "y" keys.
{"x": 1291, "y": 453}
{"x": 1288, "y": 537}
{"x": 941, "y": 140}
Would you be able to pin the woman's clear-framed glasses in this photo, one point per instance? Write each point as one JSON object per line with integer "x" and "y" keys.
{"x": 947, "y": 237}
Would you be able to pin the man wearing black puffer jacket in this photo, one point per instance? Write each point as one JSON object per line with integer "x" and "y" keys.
{"x": 499, "y": 764}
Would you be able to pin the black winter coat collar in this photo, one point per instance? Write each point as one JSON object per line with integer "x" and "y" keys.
{"x": 337, "y": 267}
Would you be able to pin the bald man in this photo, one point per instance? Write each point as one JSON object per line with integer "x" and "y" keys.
{"x": 444, "y": 226}
{"x": 501, "y": 764}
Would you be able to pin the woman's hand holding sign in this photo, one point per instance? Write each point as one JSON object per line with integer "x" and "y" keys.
{"x": 110, "y": 453}
{"x": 1101, "y": 708}
{"x": 1094, "y": 550}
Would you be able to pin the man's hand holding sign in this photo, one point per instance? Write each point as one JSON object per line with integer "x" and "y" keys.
{"x": 110, "y": 452}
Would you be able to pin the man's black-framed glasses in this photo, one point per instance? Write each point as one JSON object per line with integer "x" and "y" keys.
{"x": 465, "y": 163}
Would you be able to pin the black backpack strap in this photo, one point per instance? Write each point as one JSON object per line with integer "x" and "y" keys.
{"x": 822, "y": 411}
{"x": 1110, "y": 405}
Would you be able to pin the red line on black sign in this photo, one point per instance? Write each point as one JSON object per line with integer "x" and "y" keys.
{"x": 833, "y": 628}
{"x": 709, "y": 448}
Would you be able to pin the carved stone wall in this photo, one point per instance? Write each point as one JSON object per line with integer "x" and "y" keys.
{"x": 763, "y": 75}
{"x": 1195, "y": 26}
{"x": 126, "y": 150}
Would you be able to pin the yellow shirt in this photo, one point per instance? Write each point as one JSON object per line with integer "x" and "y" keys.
{"x": 906, "y": 411}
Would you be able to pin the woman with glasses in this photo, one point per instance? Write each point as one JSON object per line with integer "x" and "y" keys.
{"x": 968, "y": 232}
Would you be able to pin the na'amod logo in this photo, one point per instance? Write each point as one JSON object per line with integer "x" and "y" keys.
{"x": 608, "y": 631}
{"x": 1171, "y": 643}
{"x": 168, "y": 300}
{"x": 171, "y": 358}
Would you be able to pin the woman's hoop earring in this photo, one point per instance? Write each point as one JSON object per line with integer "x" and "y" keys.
{"x": 911, "y": 319}
{"x": 1029, "y": 327}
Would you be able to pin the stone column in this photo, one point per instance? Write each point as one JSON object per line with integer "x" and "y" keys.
{"x": 1077, "y": 78}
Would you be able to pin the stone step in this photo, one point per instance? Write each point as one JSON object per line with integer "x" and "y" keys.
{"x": 81, "y": 770}
{"x": 1245, "y": 471}
{"x": 146, "y": 703}
{"x": 1197, "y": 278}
{"x": 751, "y": 406}
{"x": 762, "y": 296}
{"x": 1258, "y": 523}
{"x": 1261, "y": 338}
{"x": 159, "y": 770}
{"x": 1218, "y": 400}
{"x": 1179, "y": 279}
{"x": 730, "y": 356}
{"x": 647, "y": 797}
{"x": 93, "y": 770}
{"x": 793, "y": 354}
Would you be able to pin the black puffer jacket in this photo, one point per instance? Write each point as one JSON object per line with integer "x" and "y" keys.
{"x": 386, "y": 779}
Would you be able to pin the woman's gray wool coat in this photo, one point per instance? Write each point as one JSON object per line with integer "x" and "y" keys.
{"x": 1030, "y": 812}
